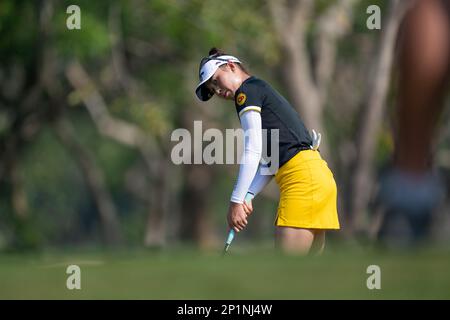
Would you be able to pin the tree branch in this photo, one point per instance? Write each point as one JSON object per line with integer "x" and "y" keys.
{"x": 117, "y": 50}
{"x": 94, "y": 180}
{"x": 117, "y": 129}
{"x": 333, "y": 25}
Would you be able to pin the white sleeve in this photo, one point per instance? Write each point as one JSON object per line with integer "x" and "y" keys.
{"x": 251, "y": 123}
{"x": 259, "y": 181}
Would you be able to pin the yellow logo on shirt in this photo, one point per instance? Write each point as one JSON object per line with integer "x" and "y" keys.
{"x": 240, "y": 99}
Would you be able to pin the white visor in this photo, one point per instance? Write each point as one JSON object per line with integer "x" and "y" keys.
{"x": 207, "y": 70}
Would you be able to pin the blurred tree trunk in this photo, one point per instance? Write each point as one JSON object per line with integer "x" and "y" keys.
{"x": 12, "y": 192}
{"x": 196, "y": 218}
{"x": 307, "y": 82}
{"x": 25, "y": 122}
{"x": 195, "y": 222}
{"x": 158, "y": 201}
{"x": 18, "y": 195}
{"x": 371, "y": 119}
{"x": 21, "y": 103}
{"x": 131, "y": 135}
{"x": 25, "y": 126}
{"x": 157, "y": 198}
{"x": 93, "y": 176}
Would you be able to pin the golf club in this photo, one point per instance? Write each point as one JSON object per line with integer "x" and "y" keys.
{"x": 231, "y": 233}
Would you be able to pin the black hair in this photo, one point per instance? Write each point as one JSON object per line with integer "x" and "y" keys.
{"x": 214, "y": 52}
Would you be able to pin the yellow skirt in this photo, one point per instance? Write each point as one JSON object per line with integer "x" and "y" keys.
{"x": 308, "y": 193}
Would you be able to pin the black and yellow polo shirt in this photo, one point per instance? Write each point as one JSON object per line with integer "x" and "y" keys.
{"x": 276, "y": 113}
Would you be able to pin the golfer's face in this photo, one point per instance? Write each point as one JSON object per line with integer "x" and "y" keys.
{"x": 221, "y": 83}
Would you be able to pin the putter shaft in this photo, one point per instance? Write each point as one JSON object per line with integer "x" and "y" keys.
{"x": 229, "y": 240}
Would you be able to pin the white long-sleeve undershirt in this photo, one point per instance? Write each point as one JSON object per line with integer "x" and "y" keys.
{"x": 250, "y": 178}
{"x": 259, "y": 181}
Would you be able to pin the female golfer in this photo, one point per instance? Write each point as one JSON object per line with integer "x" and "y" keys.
{"x": 308, "y": 191}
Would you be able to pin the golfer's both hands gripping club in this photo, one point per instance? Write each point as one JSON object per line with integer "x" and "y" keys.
{"x": 232, "y": 233}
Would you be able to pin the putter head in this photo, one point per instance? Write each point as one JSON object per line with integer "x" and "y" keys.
{"x": 229, "y": 240}
{"x": 225, "y": 249}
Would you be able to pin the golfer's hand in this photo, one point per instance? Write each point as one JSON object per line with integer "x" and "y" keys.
{"x": 237, "y": 218}
{"x": 248, "y": 207}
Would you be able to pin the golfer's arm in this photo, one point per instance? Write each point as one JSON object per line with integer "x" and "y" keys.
{"x": 259, "y": 181}
{"x": 251, "y": 123}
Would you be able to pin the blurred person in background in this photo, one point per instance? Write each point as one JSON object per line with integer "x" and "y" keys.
{"x": 412, "y": 189}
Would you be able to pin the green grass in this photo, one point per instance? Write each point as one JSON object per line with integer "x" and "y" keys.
{"x": 243, "y": 274}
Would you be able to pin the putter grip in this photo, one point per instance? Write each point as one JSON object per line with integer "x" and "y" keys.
{"x": 248, "y": 197}
{"x": 230, "y": 236}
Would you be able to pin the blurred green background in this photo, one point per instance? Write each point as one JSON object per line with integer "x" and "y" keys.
{"x": 86, "y": 175}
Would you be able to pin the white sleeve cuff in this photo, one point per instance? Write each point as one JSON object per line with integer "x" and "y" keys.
{"x": 249, "y": 108}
